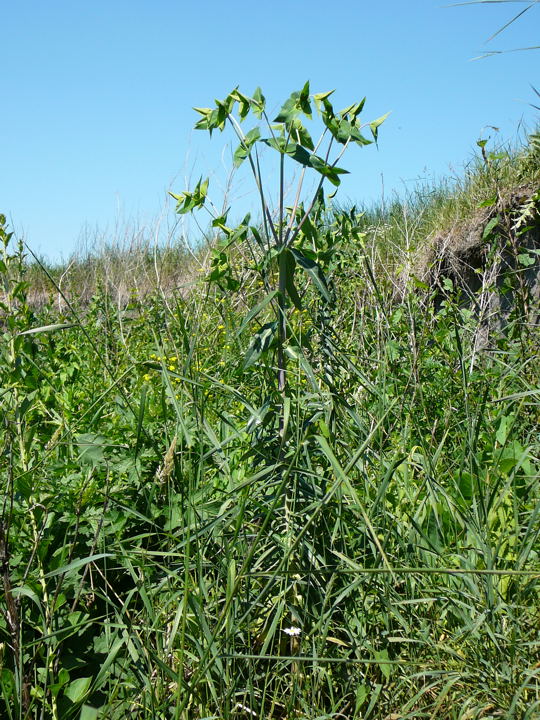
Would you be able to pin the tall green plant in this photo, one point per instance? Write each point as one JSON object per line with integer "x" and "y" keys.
{"x": 289, "y": 239}
{"x": 292, "y": 253}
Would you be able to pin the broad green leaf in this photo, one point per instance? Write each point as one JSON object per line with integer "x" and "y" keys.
{"x": 300, "y": 134}
{"x": 293, "y": 150}
{"x": 77, "y": 689}
{"x": 322, "y": 96}
{"x": 261, "y": 342}
{"x": 280, "y": 144}
{"x": 525, "y": 259}
{"x": 491, "y": 227}
{"x": 344, "y": 131}
{"x": 289, "y": 279}
{"x": 303, "y": 100}
{"x": 91, "y": 447}
{"x": 300, "y": 154}
{"x": 314, "y": 272}
{"x": 385, "y": 666}
{"x": 289, "y": 110}
{"x": 328, "y": 171}
{"x": 204, "y": 122}
{"x": 26, "y": 591}
{"x": 88, "y": 713}
{"x": 257, "y": 235}
{"x": 504, "y": 428}
{"x": 243, "y": 103}
{"x": 243, "y": 150}
{"x": 297, "y": 103}
{"x": 258, "y": 102}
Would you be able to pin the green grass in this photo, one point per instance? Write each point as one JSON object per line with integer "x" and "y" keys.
{"x": 171, "y": 551}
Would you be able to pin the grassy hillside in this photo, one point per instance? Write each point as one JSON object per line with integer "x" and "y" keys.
{"x": 187, "y": 534}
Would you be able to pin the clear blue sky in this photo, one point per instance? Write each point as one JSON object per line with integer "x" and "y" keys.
{"x": 97, "y": 98}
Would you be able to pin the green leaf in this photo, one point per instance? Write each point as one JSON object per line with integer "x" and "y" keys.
{"x": 289, "y": 279}
{"x": 385, "y": 667}
{"x": 258, "y": 102}
{"x": 205, "y": 112}
{"x": 504, "y": 429}
{"x": 256, "y": 310}
{"x": 489, "y": 202}
{"x": 374, "y": 126}
{"x": 344, "y": 131}
{"x": 221, "y": 223}
{"x": 314, "y": 271}
{"x": 420, "y": 284}
{"x": 490, "y": 227}
{"x": 353, "y": 111}
{"x": 189, "y": 201}
{"x": 243, "y": 150}
{"x": 91, "y": 448}
{"x": 76, "y": 564}
{"x": 47, "y": 328}
{"x": 322, "y": 99}
{"x": 261, "y": 342}
{"x": 300, "y": 154}
{"x": 243, "y": 101}
{"x": 298, "y": 102}
{"x": 525, "y": 259}
{"x": 328, "y": 171}
{"x": 204, "y": 122}
{"x": 289, "y": 110}
{"x": 88, "y": 713}
{"x": 301, "y": 135}
{"x": 303, "y": 100}
{"x": 77, "y": 689}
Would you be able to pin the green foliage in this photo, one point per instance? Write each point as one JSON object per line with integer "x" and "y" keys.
{"x": 186, "y": 535}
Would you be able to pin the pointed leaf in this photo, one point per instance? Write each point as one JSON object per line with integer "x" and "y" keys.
{"x": 78, "y": 688}
{"x": 374, "y": 126}
{"x": 328, "y": 171}
{"x": 289, "y": 110}
{"x": 76, "y": 564}
{"x": 47, "y": 328}
{"x": 243, "y": 150}
{"x": 314, "y": 271}
{"x": 258, "y": 102}
{"x": 303, "y": 100}
{"x": 289, "y": 279}
{"x": 256, "y": 310}
{"x": 261, "y": 342}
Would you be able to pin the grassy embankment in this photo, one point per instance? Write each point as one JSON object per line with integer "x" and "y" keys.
{"x": 166, "y": 554}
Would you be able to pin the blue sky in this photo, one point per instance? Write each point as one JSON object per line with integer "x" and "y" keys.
{"x": 97, "y": 98}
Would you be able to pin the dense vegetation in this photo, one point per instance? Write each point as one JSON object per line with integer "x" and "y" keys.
{"x": 302, "y": 485}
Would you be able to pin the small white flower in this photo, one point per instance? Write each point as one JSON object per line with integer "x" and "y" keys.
{"x": 292, "y": 631}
